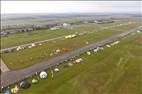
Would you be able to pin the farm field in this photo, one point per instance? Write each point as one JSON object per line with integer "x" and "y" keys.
{"x": 28, "y": 57}
{"x": 115, "y": 70}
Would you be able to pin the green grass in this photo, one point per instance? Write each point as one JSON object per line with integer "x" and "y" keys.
{"x": 24, "y": 58}
{"x": 116, "y": 70}
{"x": 38, "y": 35}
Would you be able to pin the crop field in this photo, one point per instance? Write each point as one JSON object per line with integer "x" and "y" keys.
{"x": 28, "y": 57}
{"x": 115, "y": 70}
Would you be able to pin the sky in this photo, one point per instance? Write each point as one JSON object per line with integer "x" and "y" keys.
{"x": 8, "y": 7}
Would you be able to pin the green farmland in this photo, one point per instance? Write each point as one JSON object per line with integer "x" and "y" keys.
{"x": 28, "y": 57}
{"x": 115, "y": 70}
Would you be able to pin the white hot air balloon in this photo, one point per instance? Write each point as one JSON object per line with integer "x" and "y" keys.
{"x": 43, "y": 75}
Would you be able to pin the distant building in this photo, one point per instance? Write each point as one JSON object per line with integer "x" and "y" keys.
{"x": 3, "y": 34}
{"x": 103, "y": 21}
{"x": 66, "y": 25}
{"x": 55, "y": 28}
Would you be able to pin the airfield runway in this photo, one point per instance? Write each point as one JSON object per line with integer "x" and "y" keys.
{"x": 11, "y": 77}
{"x": 61, "y": 37}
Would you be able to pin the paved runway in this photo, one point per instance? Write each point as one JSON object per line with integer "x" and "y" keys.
{"x": 60, "y": 37}
{"x": 12, "y": 77}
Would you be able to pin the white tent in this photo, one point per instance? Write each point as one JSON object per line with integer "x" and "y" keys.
{"x": 108, "y": 45}
{"x": 88, "y": 53}
{"x": 79, "y": 60}
{"x": 73, "y": 35}
{"x": 29, "y": 46}
{"x": 56, "y": 70}
{"x": 15, "y": 90}
{"x": 70, "y": 36}
{"x": 139, "y": 31}
{"x": 87, "y": 42}
{"x": 33, "y": 45}
{"x": 43, "y": 75}
{"x": 97, "y": 49}
{"x": 114, "y": 43}
{"x": 101, "y": 48}
{"x": 51, "y": 54}
{"x": 18, "y": 48}
{"x": 58, "y": 51}
{"x": 40, "y": 44}
{"x": 70, "y": 64}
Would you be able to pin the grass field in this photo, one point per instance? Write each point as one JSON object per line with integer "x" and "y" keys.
{"x": 116, "y": 70}
{"x": 38, "y": 35}
{"x": 28, "y": 57}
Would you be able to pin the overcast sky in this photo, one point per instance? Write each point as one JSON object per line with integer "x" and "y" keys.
{"x": 70, "y": 6}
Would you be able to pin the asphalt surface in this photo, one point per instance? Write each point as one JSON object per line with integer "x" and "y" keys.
{"x": 11, "y": 77}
